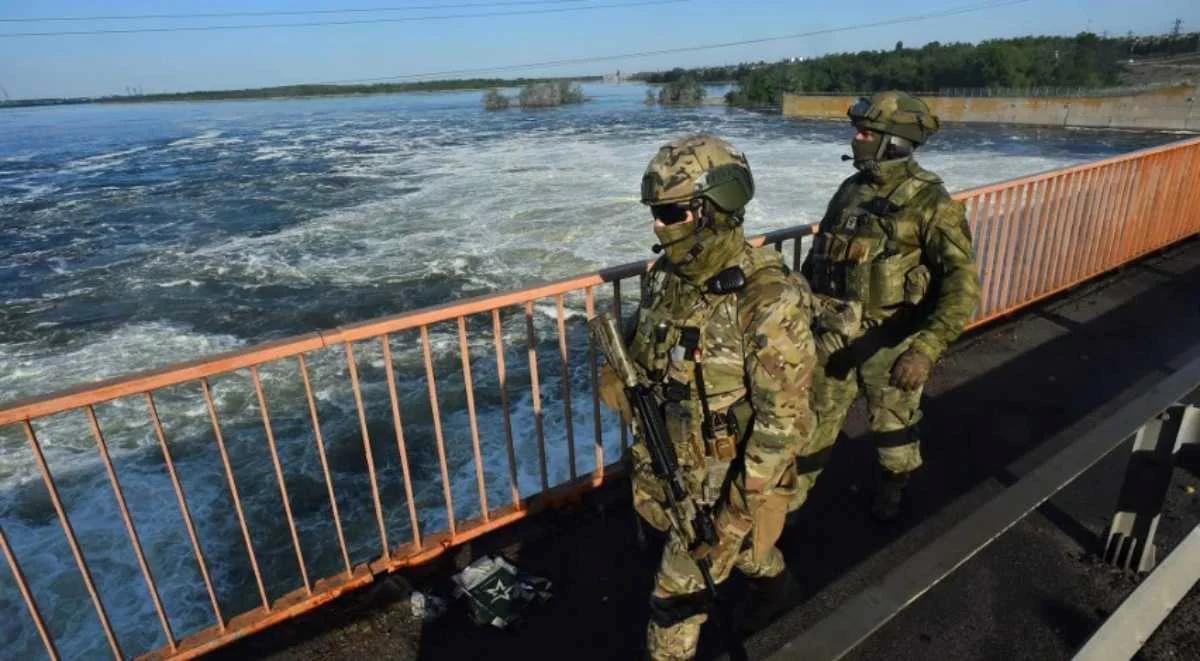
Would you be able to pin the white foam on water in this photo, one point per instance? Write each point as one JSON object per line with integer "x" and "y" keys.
{"x": 275, "y": 153}
{"x": 26, "y": 369}
{"x": 178, "y": 283}
{"x": 32, "y": 191}
{"x": 102, "y": 162}
{"x": 204, "y": 140}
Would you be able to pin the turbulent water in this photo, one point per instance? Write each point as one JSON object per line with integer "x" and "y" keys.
{"x": 137, "y": 236}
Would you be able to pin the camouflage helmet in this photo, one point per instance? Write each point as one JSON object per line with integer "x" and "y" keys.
{"x": 700, "y": 165}
{"x": 895, "y": 113}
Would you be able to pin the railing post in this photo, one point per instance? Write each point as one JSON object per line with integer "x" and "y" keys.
{"x": 1130, "y": 539}
{"x": 27, "y": 595}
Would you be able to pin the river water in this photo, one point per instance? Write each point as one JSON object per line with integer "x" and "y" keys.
{"x": 140, "y": 235}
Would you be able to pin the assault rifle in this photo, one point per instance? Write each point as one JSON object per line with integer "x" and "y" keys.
{"x": 692, "y": 520}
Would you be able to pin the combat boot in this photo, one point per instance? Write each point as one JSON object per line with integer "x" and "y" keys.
{"x": 889, "y": 495}
{"x": 768, "y": 596}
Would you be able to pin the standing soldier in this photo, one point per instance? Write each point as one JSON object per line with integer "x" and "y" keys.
{"x": 895, "y": 251}
{"x": 723, "y": 337}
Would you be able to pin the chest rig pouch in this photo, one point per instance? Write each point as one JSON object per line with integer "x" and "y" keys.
{"x": 671, "y": 347}
{"x": 871, "y": 253}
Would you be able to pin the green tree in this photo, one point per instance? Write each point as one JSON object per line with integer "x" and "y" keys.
{"x": 686, "y": 91}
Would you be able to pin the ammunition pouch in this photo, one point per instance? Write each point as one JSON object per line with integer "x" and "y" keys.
{"x": 721, "y": 435}
{"x": 889, "y": 279}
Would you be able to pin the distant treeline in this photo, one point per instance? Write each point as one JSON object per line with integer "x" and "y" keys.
{"x": 1085, "y": 60}
{"x": 297, "y": 91}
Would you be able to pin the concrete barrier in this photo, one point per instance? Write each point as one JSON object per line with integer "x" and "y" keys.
{"x": 1174, "y": 108}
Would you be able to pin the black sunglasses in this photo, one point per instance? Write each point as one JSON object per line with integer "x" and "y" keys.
{"x": 669, "y": 214}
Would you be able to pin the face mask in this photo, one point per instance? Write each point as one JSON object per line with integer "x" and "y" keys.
{"x": 865, "y": 150}
{"x": 678, "y": 241}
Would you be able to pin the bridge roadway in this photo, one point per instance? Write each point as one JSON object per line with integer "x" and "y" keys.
{"x": 1006, "y": 398}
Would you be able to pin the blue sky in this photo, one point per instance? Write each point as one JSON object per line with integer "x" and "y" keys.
{"x": 178, "y": 61}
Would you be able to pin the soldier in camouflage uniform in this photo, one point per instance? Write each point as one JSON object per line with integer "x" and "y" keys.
{"x": 723, "y": 330}
{"x": 895, "y": 252}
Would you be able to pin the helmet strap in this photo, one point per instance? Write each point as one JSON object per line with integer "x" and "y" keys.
{"x": 881, "y": 150}
{"x": 893, "y": 147}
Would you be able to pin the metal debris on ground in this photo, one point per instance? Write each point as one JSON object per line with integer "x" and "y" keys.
{"x": 497, "y": 592}
{"x": 426, "y": 606}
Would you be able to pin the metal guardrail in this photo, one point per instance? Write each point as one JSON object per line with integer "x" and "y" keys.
{"x": 1035, "y": 237}
{"x": 841, "y": 631}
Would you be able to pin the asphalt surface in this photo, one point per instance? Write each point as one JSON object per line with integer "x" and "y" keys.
{"x": 1004, "y": 400}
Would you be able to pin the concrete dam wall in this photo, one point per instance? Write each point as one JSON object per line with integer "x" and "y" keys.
{"x": 1174, "y": 108}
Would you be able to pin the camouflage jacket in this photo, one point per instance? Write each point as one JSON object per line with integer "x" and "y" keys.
{"x": 899, "y": 243}
{"x": 756, "y": 357}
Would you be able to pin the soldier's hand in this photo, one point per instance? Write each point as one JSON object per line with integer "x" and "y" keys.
{"x": 612, "y": 393}
{"x": 911, "y": 371}
{"x": 828, "y": 343}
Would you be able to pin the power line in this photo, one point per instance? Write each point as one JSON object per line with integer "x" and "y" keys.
{"x": 309, "y": 12}
{"x": 406, "y": 19}
{"x": 994, "y": 4}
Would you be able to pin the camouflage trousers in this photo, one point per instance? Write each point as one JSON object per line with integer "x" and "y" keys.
{"x": 893, "y": 413}
{"x": 679, "y": 587}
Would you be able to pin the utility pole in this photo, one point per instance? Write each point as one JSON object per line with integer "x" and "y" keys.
{"x": 1175, "y": 30}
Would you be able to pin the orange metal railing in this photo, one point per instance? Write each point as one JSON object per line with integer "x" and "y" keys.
{"x": 1035, "y": 236}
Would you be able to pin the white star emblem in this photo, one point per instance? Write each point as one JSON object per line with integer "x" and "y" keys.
{"x": 501, "y": 591}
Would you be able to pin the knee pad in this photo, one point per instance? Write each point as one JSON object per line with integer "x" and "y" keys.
{"x": 809, "y": 463}
{"x": 897, "y": 438}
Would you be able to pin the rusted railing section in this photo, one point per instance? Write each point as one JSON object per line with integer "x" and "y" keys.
{"x": 1035, "y": 236}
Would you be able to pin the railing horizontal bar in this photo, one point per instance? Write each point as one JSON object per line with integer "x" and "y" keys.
{"x": 1130, "y": 626}
{"x": 95, "y": 393}
{"x": 1082, "y": 167}
{"x": 151, "y": 380}
{"x": 177, "y": 373}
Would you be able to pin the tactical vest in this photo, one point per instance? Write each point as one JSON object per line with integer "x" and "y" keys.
{"x": 869, "y": 250}
{"x": 679, "y": 322}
